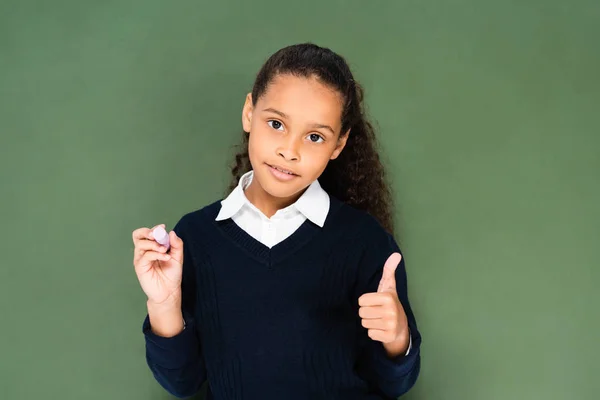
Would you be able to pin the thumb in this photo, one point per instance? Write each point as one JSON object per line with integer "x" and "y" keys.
{"x": 388, "y": 278}
{"x": 176, "y": 250}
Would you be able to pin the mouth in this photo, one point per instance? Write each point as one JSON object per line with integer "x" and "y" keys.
{"x": 282, "y": 170}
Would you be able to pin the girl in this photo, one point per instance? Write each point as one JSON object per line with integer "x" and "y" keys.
{"x": 292, "y": 287}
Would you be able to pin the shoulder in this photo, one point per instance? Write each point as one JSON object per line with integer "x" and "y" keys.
{"x": 359, "y": 224}
{"x": 368, "y": 241}
{"x": 194, "y": 221}
{"x": 370, "y": 244}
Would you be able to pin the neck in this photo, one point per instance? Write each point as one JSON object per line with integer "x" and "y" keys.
{"x": 265, "y": 202}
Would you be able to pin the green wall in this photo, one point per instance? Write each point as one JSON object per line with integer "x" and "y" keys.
{"x": 121, "y": 114}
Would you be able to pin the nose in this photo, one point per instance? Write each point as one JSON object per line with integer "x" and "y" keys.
{"x": 288, "y": 149}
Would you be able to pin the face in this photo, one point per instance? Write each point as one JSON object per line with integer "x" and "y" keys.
{"x": 294, "y": 126}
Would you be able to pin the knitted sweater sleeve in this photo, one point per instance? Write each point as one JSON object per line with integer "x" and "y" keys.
{"x": 390, "y": 377}
{"x": 177, "y": 362}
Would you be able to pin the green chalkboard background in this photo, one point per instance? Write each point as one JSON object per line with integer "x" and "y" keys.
{"x": 121, "y": 114}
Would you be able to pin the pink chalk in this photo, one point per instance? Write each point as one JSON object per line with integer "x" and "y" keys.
{"x": 161, "y": 236}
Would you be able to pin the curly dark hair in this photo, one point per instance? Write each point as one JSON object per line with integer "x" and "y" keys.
{"x": 356, "y": 176}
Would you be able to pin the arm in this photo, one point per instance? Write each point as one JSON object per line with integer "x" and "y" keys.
{"x": 173, "y": 351}
{"x": 391, "y": 375}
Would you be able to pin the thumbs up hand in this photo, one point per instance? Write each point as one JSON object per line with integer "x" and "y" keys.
{"x": 382, "y": 313}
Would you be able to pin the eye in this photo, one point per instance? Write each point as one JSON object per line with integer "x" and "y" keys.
{"x": 314, "y": 138}
{"x": 275, "y": 124}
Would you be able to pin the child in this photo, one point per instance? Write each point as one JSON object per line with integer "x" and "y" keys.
{"x": 293, "y": 286}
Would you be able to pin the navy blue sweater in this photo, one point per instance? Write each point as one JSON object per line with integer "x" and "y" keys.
{"x": 282, "y": 323}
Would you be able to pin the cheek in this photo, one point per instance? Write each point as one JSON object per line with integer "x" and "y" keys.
{"x": 259, "y": 145}
{"x": 316, "y": 157}
{"x": 252, "y": 151}
{"x": 317, "y": 160}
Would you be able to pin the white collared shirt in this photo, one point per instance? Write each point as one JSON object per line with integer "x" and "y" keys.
{"x": 313, "y": 204}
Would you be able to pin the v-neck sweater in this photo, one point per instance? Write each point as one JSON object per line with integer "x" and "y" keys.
{"x": 282, "y": 322}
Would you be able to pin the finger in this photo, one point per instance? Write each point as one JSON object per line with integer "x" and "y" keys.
{"x": 151, "y": 230}
{"x": 175, "y": 240}
{"x": 372, "y": 312}
{"x": 374, "y": 324}
{"x": 374, "y": 299}
{"x": 145, "y": 246}
{"x": 377, "y": 334}
{"x": 151, "y": 256}
{"x": 176, "y": 243}
{"x": 388, "y": 278}
{"x": 139, "y": 234}
{"x": 144, "y": 233}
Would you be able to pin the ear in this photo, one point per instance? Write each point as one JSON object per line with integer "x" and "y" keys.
{"x": 247, "y": 113}
{"x": 340, "y": 145}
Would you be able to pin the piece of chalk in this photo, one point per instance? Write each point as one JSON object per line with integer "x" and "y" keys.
{"x": 161, "y": 236}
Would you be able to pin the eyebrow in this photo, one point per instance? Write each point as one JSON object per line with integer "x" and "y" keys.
{"x": 283, "y": 115}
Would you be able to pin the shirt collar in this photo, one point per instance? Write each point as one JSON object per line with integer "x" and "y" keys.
{"x": 313, "y": 204}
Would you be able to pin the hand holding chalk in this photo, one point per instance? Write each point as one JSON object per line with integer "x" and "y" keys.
{"x": 158, "y": 262}
{"x": 161, "y": 236}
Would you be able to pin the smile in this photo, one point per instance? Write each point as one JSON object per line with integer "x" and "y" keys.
{"x": 285, "y": 171}
{"x": 281, "y": 173}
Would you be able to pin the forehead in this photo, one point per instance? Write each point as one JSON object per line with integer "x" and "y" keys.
{"x": 303, "y": 99}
